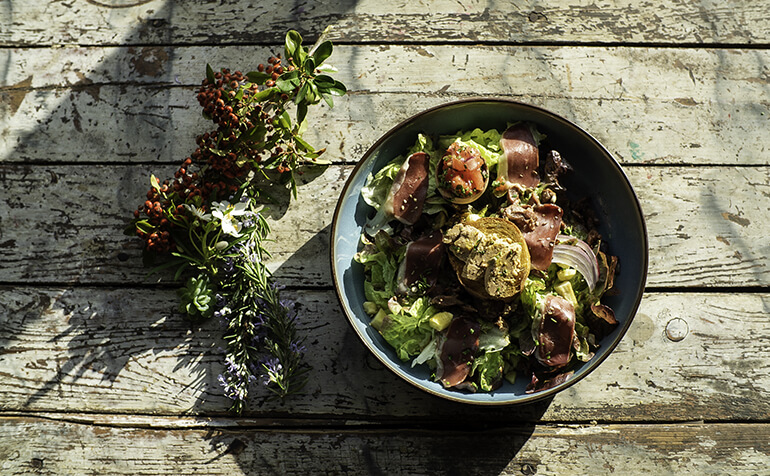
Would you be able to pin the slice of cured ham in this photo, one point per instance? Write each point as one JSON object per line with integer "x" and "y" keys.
{"x": 556, "y": 332}
{"x": 422, "y": 261}
{"x": 457, "y": 351}
{"x": 542, "y": 237}
{"x": 410, "y": 187}
{"x": 540, "y": 226}
{"x": 519, "y": 166}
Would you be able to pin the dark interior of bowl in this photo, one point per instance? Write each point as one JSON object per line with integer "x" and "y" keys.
{"x": 596, "y": 175}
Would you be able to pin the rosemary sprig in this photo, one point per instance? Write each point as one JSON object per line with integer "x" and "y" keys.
{"x": 261, "y": 332}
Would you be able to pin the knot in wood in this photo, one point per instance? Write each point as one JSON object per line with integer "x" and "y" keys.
{"x": 528, "y": 469}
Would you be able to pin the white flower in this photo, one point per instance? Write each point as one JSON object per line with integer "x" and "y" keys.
{"x": 226, "y": 212}
{"x": 197, "y": 212}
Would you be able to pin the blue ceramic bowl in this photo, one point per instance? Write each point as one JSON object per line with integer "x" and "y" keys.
{"x": 597, "y": 175}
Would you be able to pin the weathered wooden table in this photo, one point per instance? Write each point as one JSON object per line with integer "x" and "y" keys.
{"x": 100, "y": 374}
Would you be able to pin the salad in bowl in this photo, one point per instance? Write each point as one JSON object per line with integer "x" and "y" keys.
{"x": 480, "y": 269}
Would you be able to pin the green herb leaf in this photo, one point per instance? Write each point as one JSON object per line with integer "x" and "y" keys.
{"x": 301, "y": 95}
{"x": 144, "y": 226}
{"x": 288, "y": 81}
{"x": 314, "y": 96}
{"x": 262, "y": 95}
{"x": 300, "y": 57}
{"x": 293, "y": 43}
{"x": 303, "y": 144}
{"x": 154, "y": 182}
{"x": 338, "y": 89}
{"x": 309, "y": 65}
{"x": 210, "y": 74}
{"x": 324, "y": 81}
{"x": 327, "y": 68}
{"x": 323, "y": 51}
{"x": 256, "y": 133}
{"x": 258, "y": 77}
{"x": 285, "y": 120}
{"x": 301, "y": 114}
{"x": 327, "y": 98}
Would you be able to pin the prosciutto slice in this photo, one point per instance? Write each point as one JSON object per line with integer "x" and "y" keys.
{"x": 457, "y": 351}
{"x": 542, "y": 237}
{"x": 535, "y": 385}
{"x": 556, "y": 332}
{"x": 521, "y": 157}
{"x": 422, "y": 260}
{"x": 410, "y": 187}
{"x": 540, "y": 226}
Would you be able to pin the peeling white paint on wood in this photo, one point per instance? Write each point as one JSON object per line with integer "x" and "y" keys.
{"x": 45, "y": 446}
{"x": 706, "y": 225}
{"x": 163, "y": 21}
{"x": 128, "y": 351}
{"x": 97, "y": 369}
{"x": 645, "y": 105}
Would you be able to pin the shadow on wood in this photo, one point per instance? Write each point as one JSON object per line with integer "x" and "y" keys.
{"x": 380, "y": 451}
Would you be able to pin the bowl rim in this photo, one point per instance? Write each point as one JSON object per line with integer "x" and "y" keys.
{"x": 589, "y": 366}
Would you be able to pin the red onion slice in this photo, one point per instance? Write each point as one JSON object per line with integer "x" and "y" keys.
{"x": 576, "y": 253}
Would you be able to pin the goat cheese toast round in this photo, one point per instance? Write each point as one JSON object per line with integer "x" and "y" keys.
{"x": 490, "y": 257}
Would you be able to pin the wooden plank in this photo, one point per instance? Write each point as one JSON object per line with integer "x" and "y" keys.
{"x": 694, "y": 222}
{"x": 64, "y": 223}
{"x": 681, "y": 106}
{"x": 164, "y": 22}
{"x": 126, "y": 351}
{"x": 57, "y": 447}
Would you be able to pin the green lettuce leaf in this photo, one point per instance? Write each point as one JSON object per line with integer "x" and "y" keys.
{"x": 533, "y": 296}
{"x": 377, "y": 186}
{"x": 408, "y": 331}
{"x": 492, "y": 338}
{"x": 488, "y": 369}
{"x": 380, "y": 263}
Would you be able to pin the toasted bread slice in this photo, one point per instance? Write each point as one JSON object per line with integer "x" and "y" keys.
{"x": 490, "y": 257}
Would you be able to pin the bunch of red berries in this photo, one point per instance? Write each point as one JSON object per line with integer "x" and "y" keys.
{"x": 218, "y": 98}
{"x": 273, "y": 68}
{"x": 224, "y": 156}
{"x": 156, "y": 230}
{"x": 254, "y": 132}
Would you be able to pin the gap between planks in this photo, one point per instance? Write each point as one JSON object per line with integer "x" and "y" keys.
{"x": 172, "y": 422}
{"x": 375, "y": 43}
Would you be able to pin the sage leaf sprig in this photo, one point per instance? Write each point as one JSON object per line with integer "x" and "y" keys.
{"x": 206, "y": 223}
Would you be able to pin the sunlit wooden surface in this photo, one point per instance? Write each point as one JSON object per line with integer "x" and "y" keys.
{"x": 100, "y": 374}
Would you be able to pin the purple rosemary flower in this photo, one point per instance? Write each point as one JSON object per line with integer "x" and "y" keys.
{"x": 273, "y": 369}
{"x": 228, "y": 267}
{"x": 230, "y": 388}
{"x": 277, "y": 286}
{"x": 297, "y": 348}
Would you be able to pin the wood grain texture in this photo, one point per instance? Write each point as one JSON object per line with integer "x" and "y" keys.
{"x": 658, "y": 105}
{"x": 230, "y": 21}
{"x": 100, "y": 374}
{"x": 57, "y": 447}
{"x": 102, "y": 350}
{"x": 706, "y": 225}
